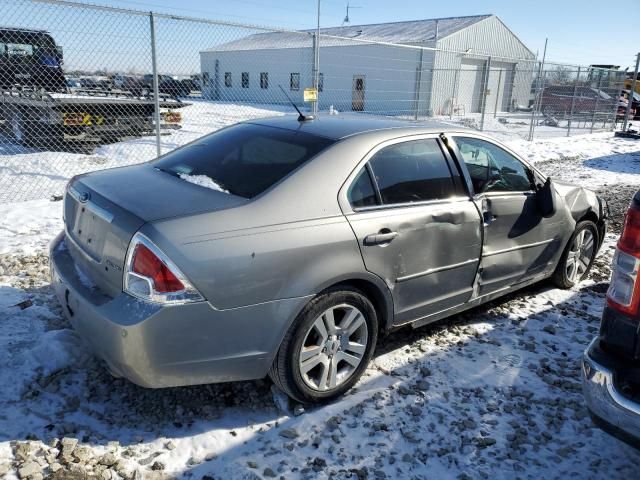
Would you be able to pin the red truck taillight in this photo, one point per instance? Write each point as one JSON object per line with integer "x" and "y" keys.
{"x": 624, "y": 290}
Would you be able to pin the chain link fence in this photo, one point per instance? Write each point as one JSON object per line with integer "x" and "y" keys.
{"x": 86, "y": 87}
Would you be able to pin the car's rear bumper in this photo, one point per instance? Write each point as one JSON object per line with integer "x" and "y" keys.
{"x": 163, "y": 346}
{"x": 610, "y": 410}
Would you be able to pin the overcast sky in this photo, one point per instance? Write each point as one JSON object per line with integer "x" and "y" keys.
{"x": 579, "y": 31}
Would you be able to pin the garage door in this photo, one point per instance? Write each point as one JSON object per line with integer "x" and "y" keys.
{"x": 500, "y": 87}
{"x": 470, "y": 81}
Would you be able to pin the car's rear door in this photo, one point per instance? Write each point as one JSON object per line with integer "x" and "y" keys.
{"x": 519, "y": 243}
{"x": 416, "y": 226}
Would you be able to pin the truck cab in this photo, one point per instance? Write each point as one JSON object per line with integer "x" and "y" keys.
{"x": 30, "y": 59}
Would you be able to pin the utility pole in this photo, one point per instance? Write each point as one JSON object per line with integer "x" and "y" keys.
{"x": 631, "y": 92}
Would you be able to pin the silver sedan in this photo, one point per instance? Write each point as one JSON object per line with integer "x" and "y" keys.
{"x": 287, "y": 246}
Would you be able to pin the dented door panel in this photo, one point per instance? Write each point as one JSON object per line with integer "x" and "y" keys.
{"x": 432, "y": 262}
{"x": 519, "y": 242}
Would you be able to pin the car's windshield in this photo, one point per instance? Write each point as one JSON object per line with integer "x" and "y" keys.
{"x": 243, "y": 160}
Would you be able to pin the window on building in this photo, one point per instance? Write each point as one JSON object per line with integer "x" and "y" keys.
{"x": 320, "y": 82}
{"x": 412, "y": 171}
{"x": 245, "y": 79}
{"x": 227, "y": 79}
{"x": 294, "y": 82}
{"x": 264, "y": 80}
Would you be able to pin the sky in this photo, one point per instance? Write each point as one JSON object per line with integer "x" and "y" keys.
{"x": 579, "y": 32}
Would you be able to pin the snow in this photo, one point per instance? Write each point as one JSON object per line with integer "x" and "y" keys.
{"x": 429, "y": 406}
{"x": 27, "y": 174}
{"x": 203, "y": 181}
{"x": 27, "y": 227}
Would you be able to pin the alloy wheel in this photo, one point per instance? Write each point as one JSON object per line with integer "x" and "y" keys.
{"x": 333, "y": 347}
{"x": 580, "y": 255}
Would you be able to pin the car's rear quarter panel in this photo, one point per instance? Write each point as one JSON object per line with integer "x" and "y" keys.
{"x": 262, "y": 264}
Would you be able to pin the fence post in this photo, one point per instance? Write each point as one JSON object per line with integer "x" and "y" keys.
{"x": 495, "y": 111}
{"x": 536, "y": 101}
{"x": 595, "y": 108}
{"x": 418, "y": 85}
{"x": 156, "y": 89}
{"x": 631, "y": 92}
{"x": 484, "y": 93}
{"x": 454, "y": 87}
{"x": 316, "y": 64}
{"x": 573, "y": 103}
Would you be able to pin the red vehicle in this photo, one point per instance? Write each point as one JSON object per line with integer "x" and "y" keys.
{"x": 562, "y": 100}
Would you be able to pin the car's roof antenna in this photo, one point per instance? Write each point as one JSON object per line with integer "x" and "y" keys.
{"x": 301, "y": 117}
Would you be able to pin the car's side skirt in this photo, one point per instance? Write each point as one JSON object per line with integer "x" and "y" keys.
{"x": 421, "y": 321}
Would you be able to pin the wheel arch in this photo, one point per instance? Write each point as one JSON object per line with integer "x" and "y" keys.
{"x": 373, "y": 287}
{"x": 380, "y": 297}
{"x": 599, "y": 223}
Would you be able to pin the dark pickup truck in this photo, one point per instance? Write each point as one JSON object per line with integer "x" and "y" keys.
{"x": 611, "y": 364}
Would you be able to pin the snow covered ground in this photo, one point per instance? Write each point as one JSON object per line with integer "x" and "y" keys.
{"x": 27, "y": 173}
{"x": 492, "y": 393}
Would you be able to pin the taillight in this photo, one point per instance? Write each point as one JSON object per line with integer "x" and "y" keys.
{"x": 150, "y": 275}
{"x": 630, "y": 239}
{"x": 624, "y": 290}
{"x": 148, "y": 265}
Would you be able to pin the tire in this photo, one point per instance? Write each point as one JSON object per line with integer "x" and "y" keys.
{"x": 349, "y": 306}
{"x": 581, "y": 256}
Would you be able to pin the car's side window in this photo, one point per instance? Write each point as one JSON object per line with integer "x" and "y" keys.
{"x": 493, "y": 169}
{"x": 361, "y": 192}
{"x": 412, "y": 171}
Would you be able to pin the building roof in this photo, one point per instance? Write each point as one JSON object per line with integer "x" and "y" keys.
{"x": 409, "y": 32}
{"x": 345, "y": 125}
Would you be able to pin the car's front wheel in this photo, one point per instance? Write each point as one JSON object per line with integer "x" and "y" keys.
{"x": 328, "y": 347}
{"x": 578, "y": 256}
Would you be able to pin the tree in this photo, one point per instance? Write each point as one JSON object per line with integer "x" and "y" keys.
{"x": 561, "y": 75}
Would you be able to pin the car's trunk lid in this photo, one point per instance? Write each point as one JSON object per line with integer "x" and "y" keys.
{"x": 103, "y": 210}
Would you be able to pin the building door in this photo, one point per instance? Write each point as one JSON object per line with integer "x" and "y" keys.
{"x": 470, "y": 82}
{"x": 499, "y": 87}
{"x": 357, "y": 96}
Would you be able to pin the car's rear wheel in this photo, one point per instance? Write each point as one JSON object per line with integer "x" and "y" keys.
{"x": 328, "y": 347}
{"x": 578, "y": 256}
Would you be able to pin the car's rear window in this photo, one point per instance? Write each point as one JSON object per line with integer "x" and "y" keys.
{"x": 243, "y": 160}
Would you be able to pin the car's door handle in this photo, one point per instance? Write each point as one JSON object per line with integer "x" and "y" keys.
{"x": 380, "y": 238}
{"x": 488, "y": 217}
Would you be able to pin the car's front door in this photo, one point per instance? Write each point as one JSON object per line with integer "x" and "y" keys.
{"x": 416, "y": 227}
{"x": 519, "y": 243}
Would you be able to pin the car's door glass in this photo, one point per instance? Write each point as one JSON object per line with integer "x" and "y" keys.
{"x": 412, "y": 171}
{"x": 361, "y": 192}
{"x": 493, "y": 169}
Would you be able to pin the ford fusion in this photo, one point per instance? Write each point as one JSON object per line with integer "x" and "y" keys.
{"x": 286, "y": 246}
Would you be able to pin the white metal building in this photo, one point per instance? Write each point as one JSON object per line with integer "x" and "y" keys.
{"x": 380, "y": 77}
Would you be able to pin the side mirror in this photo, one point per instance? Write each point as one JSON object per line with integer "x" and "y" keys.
{"x": 546, "y": 198}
